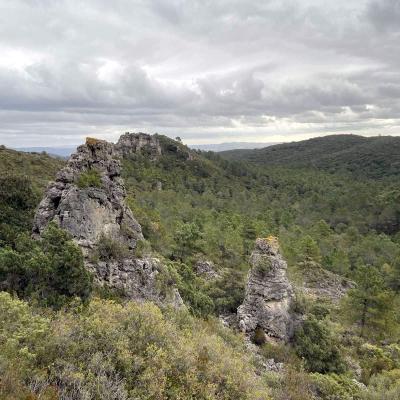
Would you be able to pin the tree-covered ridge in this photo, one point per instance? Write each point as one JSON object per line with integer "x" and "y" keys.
{"x": 40, "y": 168}
{"x": 374, "y": 157}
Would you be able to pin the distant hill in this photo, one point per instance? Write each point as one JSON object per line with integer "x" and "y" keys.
{"x": 37, "y": 167}
{"x": 373, "y": 157}
{"x": 217, "y": 147}
{"x": 53, "y": 151}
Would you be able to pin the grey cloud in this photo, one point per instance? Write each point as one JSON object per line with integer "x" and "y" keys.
{"x": 197, "y": 68}
{"x": 385, "y": 15}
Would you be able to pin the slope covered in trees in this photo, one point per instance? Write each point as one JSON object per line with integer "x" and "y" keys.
{"x": 374, "y": 157}
{"x": 196, "y": 206}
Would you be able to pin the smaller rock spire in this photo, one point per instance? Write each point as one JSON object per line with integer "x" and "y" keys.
{"x": 264, "y": 314}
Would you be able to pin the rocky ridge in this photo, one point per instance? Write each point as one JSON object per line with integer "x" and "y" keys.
{"x": 265, "y": 312}
{"x": 320, "y": 284}
{"x": 87, "y": 199}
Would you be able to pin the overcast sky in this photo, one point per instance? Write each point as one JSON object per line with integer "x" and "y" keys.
{"x": 207, "y": 70}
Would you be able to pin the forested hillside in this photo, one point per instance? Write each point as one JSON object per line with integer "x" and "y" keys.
{"x": 333, "y": 203}
{"x": 374, "y": 157}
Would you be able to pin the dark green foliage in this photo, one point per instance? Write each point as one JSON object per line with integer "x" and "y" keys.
{"x": 186, "y": 237}
{"x": 89, "y": 178}
{"x": 23, "y": 177}
{"x": 370, "y": 305}
{"x": 212, "y": 208}
{"x": 17, "y": 203}
{"x": 50, "y": 270}
{"x": 375, "y": 157}
{"x": 191, "y": 288}
{"x": 337, "y": 217}
{"x": 227, "y": 292}
{"x": 316, "y": 345}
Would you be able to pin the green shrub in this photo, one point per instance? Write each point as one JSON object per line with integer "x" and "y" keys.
{"x": 50, "y": 270}
{"x": 108, "y": 248}
{"x": 263, "y": 265}
{"x": 316, "y": 345}
{"x": 89, "y": 178}
{"x": 335, "y": 387}
{"x": 279, "y": 352}
{"x": 385, "y": 386}
{"x": 143, "y": 248}
{"x": 374, "y": 360}
{"x": 114, "y": 351}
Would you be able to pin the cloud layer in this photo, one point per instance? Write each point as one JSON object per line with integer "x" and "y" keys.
{"x": 205, "y": 70}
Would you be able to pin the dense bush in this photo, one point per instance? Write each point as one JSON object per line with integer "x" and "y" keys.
{"x": 335, "y": 387}
{"x": 17, "y": 202}
{"x": 111, "y": 351}
{"x": 50, "y": 270}
{"x": 317, "y": 346}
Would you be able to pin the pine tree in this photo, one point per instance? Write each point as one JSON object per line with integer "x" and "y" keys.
{"x": 370, "y": 304}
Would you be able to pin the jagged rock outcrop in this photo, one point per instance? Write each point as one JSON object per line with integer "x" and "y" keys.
{"x": 152, "y": 146}
{"x": 88, "y": 200}
{"x": 265, "y": 312}
{"x": 130, "y": 143}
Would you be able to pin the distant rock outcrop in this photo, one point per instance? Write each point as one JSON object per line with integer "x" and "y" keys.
{"x": 264, "y": 314}
{"x": 87, "y": 199}
{"x": 320, "y": 284}
{"x": 130, "y": 143}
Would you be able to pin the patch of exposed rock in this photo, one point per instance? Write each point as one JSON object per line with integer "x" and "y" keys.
{"x": 87, "y": 199}
{"x": 151, "y": 146}
{"x": 206, "y": 269}
{"x": 265, "y": 309}
{"x": 318, "y": 283}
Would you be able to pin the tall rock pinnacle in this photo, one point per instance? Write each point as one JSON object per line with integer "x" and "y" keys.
{"x": 87, "y": 199}
{"x": 265, "y": 309}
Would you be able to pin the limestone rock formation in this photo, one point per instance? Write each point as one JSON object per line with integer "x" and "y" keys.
{"x": 130, "y": 143}
{"x": 87, "y": 200}
{"x": 265, "y": 312}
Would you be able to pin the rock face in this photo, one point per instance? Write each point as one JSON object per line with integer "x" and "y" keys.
{"x": 264, "y": 314}
{"x": 89, "y": 209}
{"x": 130, "y": 143}
{"x": 87, "y": 199}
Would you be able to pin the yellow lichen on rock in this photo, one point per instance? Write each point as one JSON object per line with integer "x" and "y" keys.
{"x": 92, "y": 141}
{"x": 272, "y": 241}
